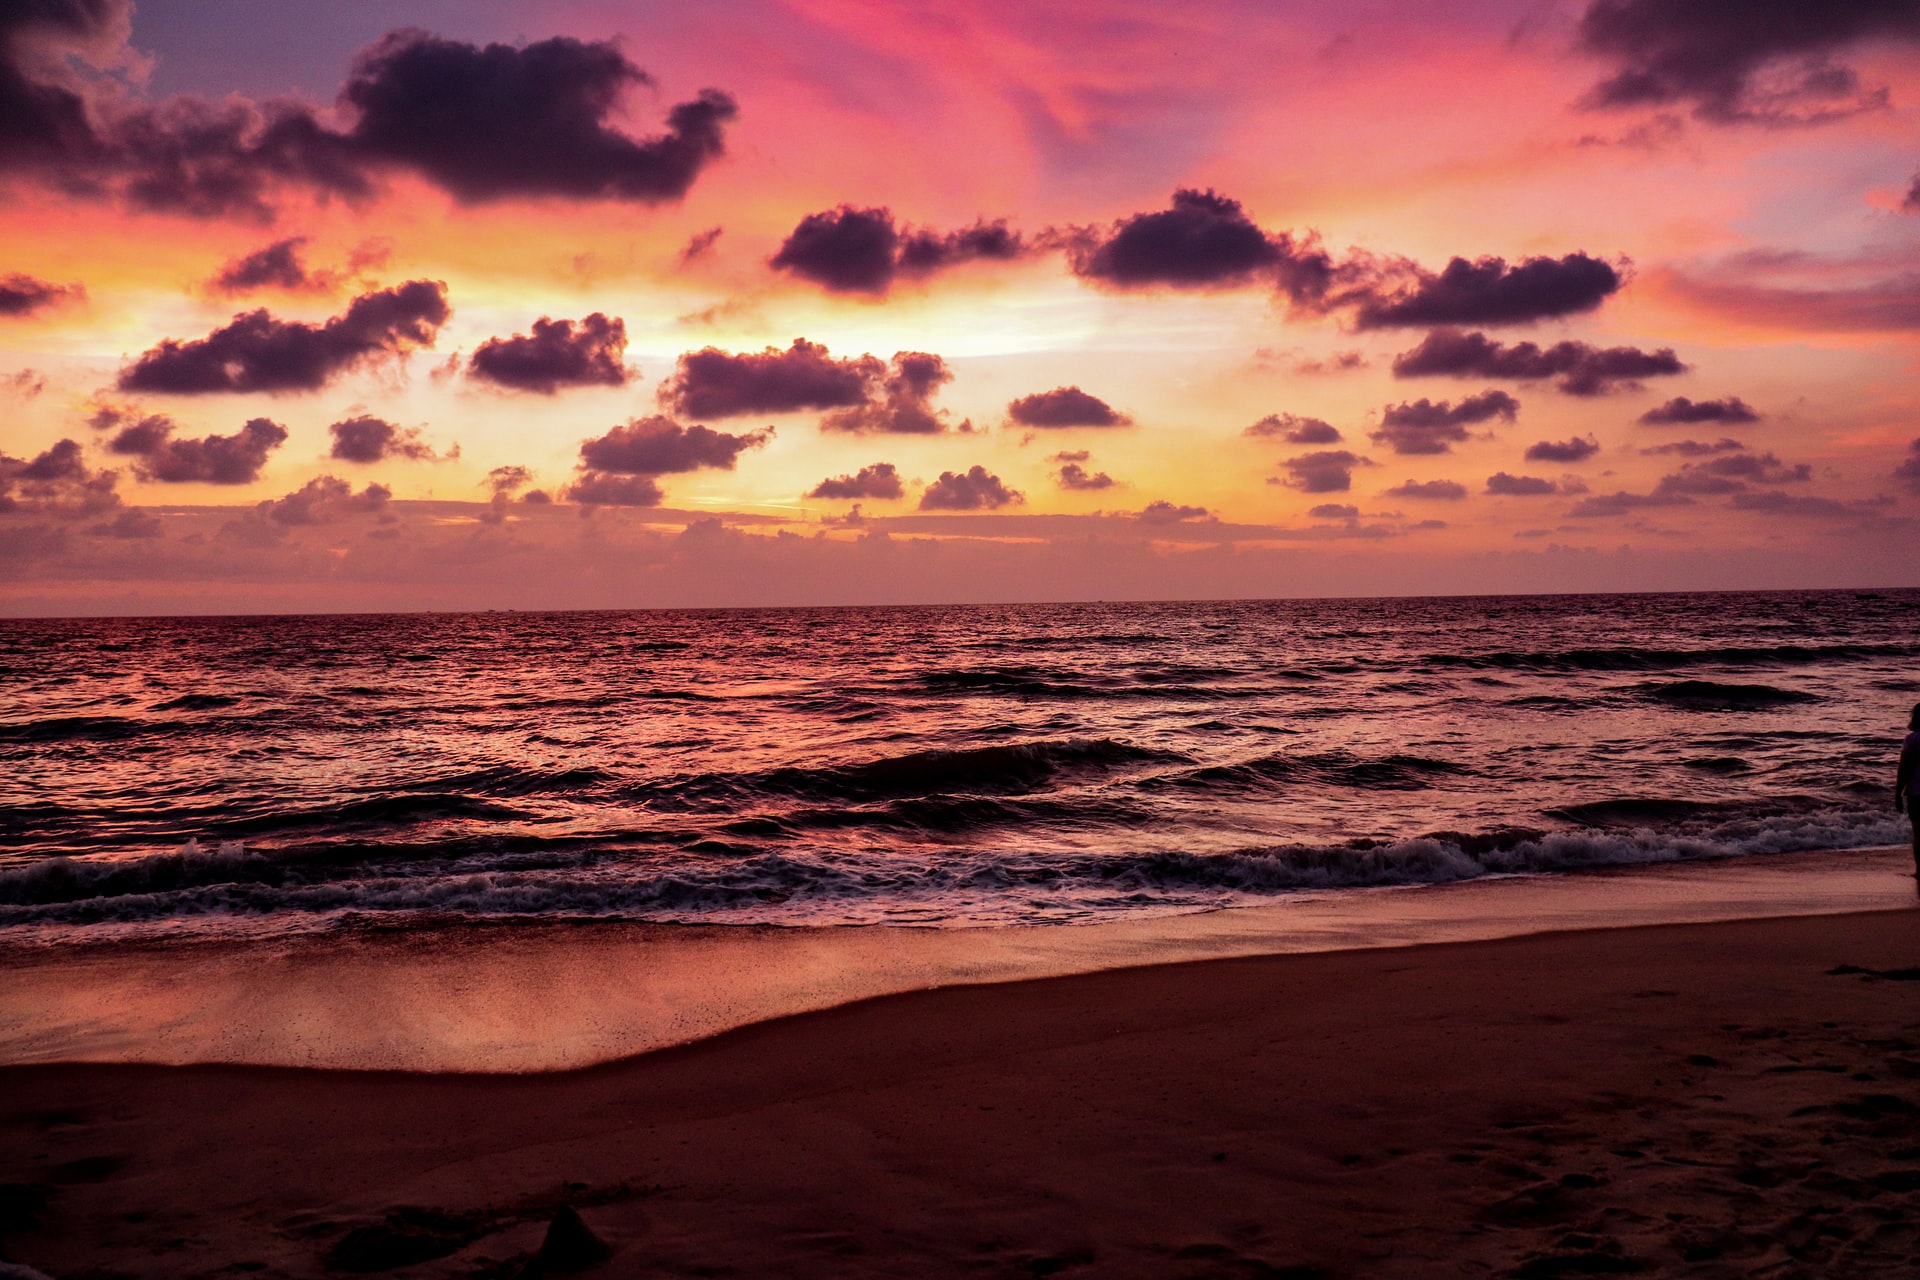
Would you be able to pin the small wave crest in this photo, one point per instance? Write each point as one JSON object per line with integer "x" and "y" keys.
{"x": 1709, "y": 695}
{"x": 826, "y": 888}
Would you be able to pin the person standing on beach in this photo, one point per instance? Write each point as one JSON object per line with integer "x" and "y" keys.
{"x": 1906, "y": 785}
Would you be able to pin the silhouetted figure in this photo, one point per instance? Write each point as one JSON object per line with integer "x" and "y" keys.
{"x": 1906, "y": 785}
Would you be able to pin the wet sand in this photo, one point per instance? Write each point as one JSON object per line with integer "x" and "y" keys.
{"x": 1703, "y": 1099}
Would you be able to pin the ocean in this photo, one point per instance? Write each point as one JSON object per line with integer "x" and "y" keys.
{"x": 938, "y": 767}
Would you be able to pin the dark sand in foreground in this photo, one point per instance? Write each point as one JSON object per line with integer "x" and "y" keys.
{"x": 1696, "y": 1099}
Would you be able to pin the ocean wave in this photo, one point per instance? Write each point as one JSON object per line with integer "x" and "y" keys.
{"x": 1636, "y": 658}
{"x": 975, "y": 887}
{"x": 1708, "y": 695}
{"x": 1331, "y": 769}
{"x": 1010, "y": 769}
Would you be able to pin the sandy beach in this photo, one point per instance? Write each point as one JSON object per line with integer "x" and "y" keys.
{"x": 1735, "y": 1098}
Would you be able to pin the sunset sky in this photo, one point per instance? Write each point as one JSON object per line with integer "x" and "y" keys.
{"x": 368, "y": 306}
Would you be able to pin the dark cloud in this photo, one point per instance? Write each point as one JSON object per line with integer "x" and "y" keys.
{"x": 1422, "y": 426}
{"x": 1065, "y": 407}
{"x": 849, "y": 250}
{"x": 324, "y": 499}
{"x": 1696, "y": 448}
{"x": 556, "y": 355}
{"x": 712, "y": 383}
{"x": 1908, "y": 472}
{"x": 1769, "y": 62}
{"x": 660, "y": 446}
{"x": 1732, "y": 473}
{"x": 1578, "y": 449}
{"x": 1161, "y": 511}
{"x": 56, "y": 482}
{"x": 880, "y": 480}
{"x": 1074, "y": 476}
{"x": 1435, "y": 490}
{"x": 1774, "y": 502}
{"x": 1582, "y": 368}
{"x": 234, "y": 459}
{"x": 1323, "y": 471}
{"x": 505, "y": 482}
{"x": 131, "y": 524}
{"x": 367, "y": 439}
{"x": 599, "y": 489}
{"x": 481, "y": 122}
{"x": 488, "y": 123}
{"x": 277, "y": 266}
{"x": 1334, "y": 511}
{"x": 22, "y": 295}
{"x": 976, "y": 489}
{"x": 259, "y": 353}
{"x": 1294, "y": 429}
{"x": 1204, "y": 240}
{"x": 1512, "y": 486}
{"x": 1620, "y": 504}
{"x": 1488, "y": 291}
{"x": 25, "y": 383}
{"x": 905, "y": 403}
{"x": 1680, "y": 411}
{"x": 1912, "y": 203}
{"x": 700, "y": 245}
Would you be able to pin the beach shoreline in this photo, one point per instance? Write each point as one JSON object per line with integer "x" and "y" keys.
{"x": 1704, "y": 1099}
{"x": 522, "y": 996}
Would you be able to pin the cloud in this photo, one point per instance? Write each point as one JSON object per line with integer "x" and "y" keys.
{"x": 25, "y": 383}
{"x": 22, "y": 295}
{"x": 259, "y": 353}
{"x": 849, "y": 250}
{"x": 880, "y": 480}
{"x": 1204, "y": 240}
{"x": 1512, "y": 486}
{"x": 1731, "y": 473}
{"x": 56, "y": 482}
{"x": 367, "y": 439}
{"x": 149, "y": 439}
{"x": 1488, "y": 291}
{"x": 975, "y": 489}
{"x": 1696, "y": 448}
{"x": 599, "y": 489}
{"x": 1770, "y": 64}
{"x": 132, "y": 524}
{"x": 1422, "y": 426}
{"x": 1073, "y": 476}
{"x": 1324, "y": 471}
{"x": 1619, "y": 504}
{"x": 1430, "y": 490}
{"x": 1908, "y": 472}
{"x": 1294, "y": 429}
{"x": 1680, "y": 411}
{"x": 700, "y": 245}
{"x": 505, "y": 482}
{"x": 555, "y": 355}
{"x": 480, "y": 122}
{"x": 658, "y": 446}
{"x": 711, "y": 383}
{"x": 1338, "y": 362}
{"x": 488, "y": 123}
{"x": 1065, "y": 407}
{"x": 905, "y": 403}
{"x": 324, "y": 499}
{"x": 1912, "y": 202}
{"x": 1161, "y": 511}
{"x": 1334, "y": 511}
{"x": 1583, "y": 369}
{"x": 1776, "y": 503}
{"x": 277, "y": 266}
{"x": 1578, "y": 449}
